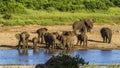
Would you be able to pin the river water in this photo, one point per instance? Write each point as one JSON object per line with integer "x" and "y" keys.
{"x": 96, "y": 57}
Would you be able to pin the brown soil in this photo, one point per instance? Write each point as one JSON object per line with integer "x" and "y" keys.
{"x": 8, "y": 40}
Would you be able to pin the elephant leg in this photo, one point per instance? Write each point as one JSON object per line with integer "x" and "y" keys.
{"x": 109, "y": 40}
{"x": 64, "y": 45}
{"x": 106, "y": 39}
{"x": 42, "y": 40}
{"x": 80, "y": 43}
{"x": 103, "y": 39}
{"x": 19, "y": 44}
{"x": 39, "y": 39}
{"x": 77, "y": 42}
{"x": 27, "y": 44}
{"x": 86, "y": 43}
{"x": 67, "y": 46}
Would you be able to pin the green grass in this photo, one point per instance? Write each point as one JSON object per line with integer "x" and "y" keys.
{"x": 112, "y": 16}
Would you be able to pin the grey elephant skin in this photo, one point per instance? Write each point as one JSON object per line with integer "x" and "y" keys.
{"x": 106, "y": 34}
{"x": 41, "y": 32}
{"x": 82, "y": 38}
{"x": 22, "y": 40}
{"x": 83, "y": 25}
{"x": 51, "y": 40}
{"x": 67, "y": 39}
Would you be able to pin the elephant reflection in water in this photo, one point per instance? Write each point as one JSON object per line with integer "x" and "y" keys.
{"x": 67, "y": 52}
{"x": 35, "y": 41}
{"x": 51, "y": 51}
{"x": 56, "y": 52}
{"x": 23, "y": 52}
{"x": 35, "y": 51}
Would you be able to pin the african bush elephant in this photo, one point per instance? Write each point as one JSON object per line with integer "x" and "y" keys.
{"x": 35, "y": 41}
{"x": 83, "y": 25}
{"x": 41, "y": 32}
{"x": 106, "y": 34}
{"x": 22, "y": 40}
{"x": 82, "y": 38}
{"x": 51, "y": 40}
{"x": 67, "y": 39}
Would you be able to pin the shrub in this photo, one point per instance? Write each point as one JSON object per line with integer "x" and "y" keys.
{"x": 65, "y": 61}
{"x": 7, "y": 16}
{"x": 10, "y": 6}
{"x": 116, "y": 2}
{"x": 97, "y": 4}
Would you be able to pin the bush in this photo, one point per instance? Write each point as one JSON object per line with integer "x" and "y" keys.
{"x": 65, "y": 61}
{"x": 98, "y": 4}
{"x": 116, "y": 2}
{"x": 10, "y": 6}
{"x": 7, "y": 16}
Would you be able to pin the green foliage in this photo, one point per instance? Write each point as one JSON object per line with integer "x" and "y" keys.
{"x": 11, "y": 6}
{"x": 65, "y": 61}
{"x": 20, "y": 6}
{"x": 7, "y": 16}
{"x": 116, "y": 2}
{"x": 97, "y": 4}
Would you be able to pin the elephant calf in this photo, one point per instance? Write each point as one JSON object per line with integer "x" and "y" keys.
{"x": 67, "y": 38}
{"x": 83, "y": 39}
{"x": 22, "y": 40}
{"x": 41, "y": 32}
{"x": 106, "y": 34}
{"x": 51, "y": 40}
{"x": 35, "y": 41}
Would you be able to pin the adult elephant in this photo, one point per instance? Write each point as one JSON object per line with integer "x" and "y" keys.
{"x": 22, "y": 40}
{"x": 41, "y": 32}
{"x": 106, "y": 34}
{"x": 51, "y": 40}
{"x": 67, "y": 38}
{"x": 83, "y": 25}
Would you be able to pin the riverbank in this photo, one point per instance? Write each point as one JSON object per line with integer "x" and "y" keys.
{"x": 8, "y": 40}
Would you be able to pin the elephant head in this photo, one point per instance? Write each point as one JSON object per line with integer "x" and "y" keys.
{"x": 89, "y": 24}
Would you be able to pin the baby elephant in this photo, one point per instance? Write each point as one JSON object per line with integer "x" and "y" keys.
{"x": 106, "y": 34}
{"x": 83, "y": 39}
{"x": 35, "y": 41}
{"x": 22, "y": 40}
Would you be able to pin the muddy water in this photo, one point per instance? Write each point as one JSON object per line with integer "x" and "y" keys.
{"x": 98, "y": 57}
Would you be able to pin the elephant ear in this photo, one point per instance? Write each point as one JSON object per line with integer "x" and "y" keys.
{"x": 45, "y": 29}
{"x": 38, "y": 31}
{"x": 17, "y": 36}
{"x": 88, "y": 23}
{"x": 28, "y": 35}
{"x": 92, "y": 20}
